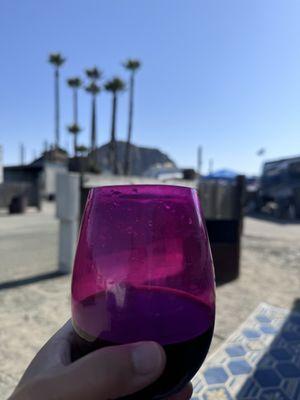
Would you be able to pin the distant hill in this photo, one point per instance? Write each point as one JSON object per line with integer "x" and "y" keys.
{"x": 142, "y": 158}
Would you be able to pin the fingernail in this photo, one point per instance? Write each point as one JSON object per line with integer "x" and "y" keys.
{"x": 147, "y": 358}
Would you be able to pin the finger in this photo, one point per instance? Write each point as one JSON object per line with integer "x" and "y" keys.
{"x": 57, "y": 351}
{"x": 61, "y": 343}
{"x": 184, "y": 394}
{"x": 112, "y": 372}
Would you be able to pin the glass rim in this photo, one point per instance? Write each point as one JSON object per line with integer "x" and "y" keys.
{"x": 121, "y": 187}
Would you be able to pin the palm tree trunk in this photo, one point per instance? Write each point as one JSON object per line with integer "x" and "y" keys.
{"x": 75, "y": 105}
{"x": 113, "y": 155}
{"x": 75, "y": 144}
{"x": 129, "y": 130}
{"x": 93, "y": 124}
{"x": 75, "y": 116}
{"x": 56, "y": 116}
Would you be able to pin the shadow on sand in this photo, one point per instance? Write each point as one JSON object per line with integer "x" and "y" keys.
{"x": 32, "y": 279}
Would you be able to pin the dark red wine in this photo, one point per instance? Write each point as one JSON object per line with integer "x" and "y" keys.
{"x": 179, "y": 321}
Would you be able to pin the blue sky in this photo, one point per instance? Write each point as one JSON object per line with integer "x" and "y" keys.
{"x": 224, "y": 74}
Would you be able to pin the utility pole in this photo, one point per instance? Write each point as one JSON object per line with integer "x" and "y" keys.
{"x": 211, "y": 166}
{"x": 22, "y": 154}
{"x": 46, "y": 146}
{"x": 199, "y": 160}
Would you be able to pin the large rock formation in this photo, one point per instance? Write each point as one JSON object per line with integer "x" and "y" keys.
{"x": 142, "y": 158}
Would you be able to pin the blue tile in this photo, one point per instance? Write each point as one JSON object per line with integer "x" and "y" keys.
{"x": 230, "y": 374}
{"x": 266, "y": 361}
{"x": 280, "y": 354}
{"x": 288, "y": 370}
{"x": 217, "y": 393}
{"x": 262, "y": 318}
{"x": 296, "y": 394}
{"x": 235, "y": 351}
{"x": 215, "y": 375}
{"x": 249, "y": 390}
{"x": 268, "y": 329}
{"x": 295, "y": 319}
{"x": 251, "y": 333}
{"x": 267, "y": 377}
{"x": 276, "y": 394}
{"x": 291, "y": 336}
{"x": 198, "y": 386}
{"x": 239, "y": 367}
{"x": 291, "y": 387}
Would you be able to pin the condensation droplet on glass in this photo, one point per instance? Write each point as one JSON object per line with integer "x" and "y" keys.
{"x": 190, "y": 221}
{"x": 167, "y": 207}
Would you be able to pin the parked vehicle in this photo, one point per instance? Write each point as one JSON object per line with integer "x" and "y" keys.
{"x": 280, "y": 185}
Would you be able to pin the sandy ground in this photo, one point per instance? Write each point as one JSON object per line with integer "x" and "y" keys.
{"x": 32, "y": 311}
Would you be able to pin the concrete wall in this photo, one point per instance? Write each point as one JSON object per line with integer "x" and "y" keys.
{"x": 49, "y": 178}
{"x": 67, "y": 210}
{"x": 30, "y": 175}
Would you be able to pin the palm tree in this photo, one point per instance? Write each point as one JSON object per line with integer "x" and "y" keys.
{"x": 94, "y": 74}
{"x": 74, "y": 129}
{"x": 132, "y": 66}
{"x": 74, "y": 84}
{"x": 93, "y": 89}
{"x": 57, "y": 60}
{"x": 114, "y": 86}
{"x": 82, "y": 150}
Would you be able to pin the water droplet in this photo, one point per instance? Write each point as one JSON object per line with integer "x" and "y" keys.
{"x": 129, "y": 230}
{"x": 190, "y": 221}
{"x": 167, "y": 207}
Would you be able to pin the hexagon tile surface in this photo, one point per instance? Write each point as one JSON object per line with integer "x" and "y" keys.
{"x": 259, "y": 361}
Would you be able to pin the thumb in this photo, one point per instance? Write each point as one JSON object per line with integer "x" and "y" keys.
{"x": 112, "y": 372}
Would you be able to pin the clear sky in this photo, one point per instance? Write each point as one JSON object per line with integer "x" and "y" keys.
{"x": 224, "y": 74}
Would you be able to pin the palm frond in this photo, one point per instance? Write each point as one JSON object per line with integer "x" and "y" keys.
{"x": 74, "y": 129}
{"x": 93, "y": 88}
{"x": 132, "y": 64}
{"x": 82, "y": 149}
{"x": 115, "y": 85}
{"x": 74, "y": 82}
{"x": 94, "y": 73}
{"x": 56, "y": 59}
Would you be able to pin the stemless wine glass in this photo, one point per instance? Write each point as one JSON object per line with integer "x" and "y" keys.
{"x": 143, "y": 271}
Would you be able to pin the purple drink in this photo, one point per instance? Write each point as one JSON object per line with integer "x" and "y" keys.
{"x": 177, "y": 320}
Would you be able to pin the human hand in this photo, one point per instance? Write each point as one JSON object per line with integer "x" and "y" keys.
{"x": 107, "y": 373}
